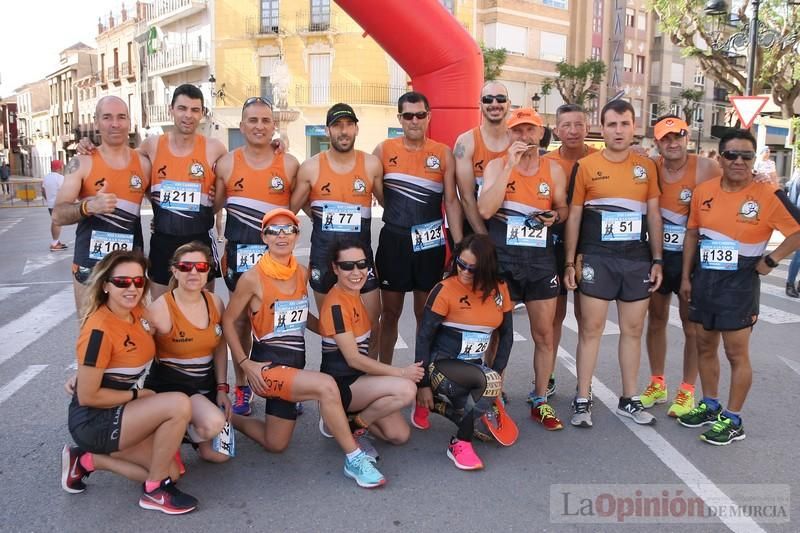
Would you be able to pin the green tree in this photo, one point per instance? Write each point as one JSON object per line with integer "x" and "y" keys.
{"x": 493, "y": 61}
{"x": 578, "y": 84}
{"x": 690, "y": 101}
{"x": 701, "y": 36}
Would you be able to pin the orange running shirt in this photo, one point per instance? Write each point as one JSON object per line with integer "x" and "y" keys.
{"x": 121, "y": 348}
{"x": 179, "y": 190}
{"x": 413, "y": 183}
{"x": 99, "y": 234}
{"x": 568, "y": 166}
{"x": 250, "y": 193}
{"x": 481, "y": 157}
{"x": 342, "y": 312}
{"x": 614, "y": 197}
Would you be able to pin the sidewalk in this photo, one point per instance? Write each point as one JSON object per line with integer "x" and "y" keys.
{"x": 25, "y": 192}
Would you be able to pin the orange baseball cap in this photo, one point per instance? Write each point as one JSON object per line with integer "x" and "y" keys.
{"x": 278, "y": 212}
{"x": 670, "y": 125}
{"x": 524, "y": 115}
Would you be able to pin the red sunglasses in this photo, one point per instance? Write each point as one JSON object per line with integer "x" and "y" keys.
{"x": 187, "y": 266}
{"x": 123, "y": 282}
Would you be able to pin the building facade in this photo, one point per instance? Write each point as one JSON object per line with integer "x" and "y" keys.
{"x": 33, "y": 105}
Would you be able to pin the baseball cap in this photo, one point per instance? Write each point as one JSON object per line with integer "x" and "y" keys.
{"x": 670, "y": 125}
{"x": 338, "y": 111}
{"x": 278, "y": 212}
{"x": 524, "y": 115}
{"x": 56, "y": 164}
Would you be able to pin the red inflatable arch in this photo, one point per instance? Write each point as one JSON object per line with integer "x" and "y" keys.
{"x": 442, "y": 59}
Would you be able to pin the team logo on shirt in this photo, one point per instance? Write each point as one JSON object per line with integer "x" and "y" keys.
{"x": 749, "y": 210}
{"x": 196, "y": 170}
{"x": 359, "y": 186}
{"x": 639, "y": 173}
{"x": 685, "y": 196}
{"x": 544, "y": 190}
{"x": 145, "y": 324}
{"x": 393, "y": 161}
{"x": 315, "y": 274}
{"x": 99, "y": 184}
{"x": 277, "y": 183}
{"x": 239, "y": 184}
{"x": 498, "y": 299}
{"x": 587, "y": 274}
{"x": 136, "y": 183}
{"x": 217, "y": 330}
{"x": 432, "y": 163}
{"x": 464, "y": 301}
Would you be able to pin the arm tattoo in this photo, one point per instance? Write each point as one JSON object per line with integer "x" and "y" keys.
{"x": 459, "y": 151}
{"x": 73, "y": 165}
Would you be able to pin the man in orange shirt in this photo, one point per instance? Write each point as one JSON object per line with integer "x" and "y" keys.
{"x": 678, "y": 173}
{"x": 614, "y": 206}
{"x": 730, "y": 223}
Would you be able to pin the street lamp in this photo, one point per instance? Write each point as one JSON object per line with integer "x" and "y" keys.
{"x": 699, "y": 122}
{"x": 535, "y": 99}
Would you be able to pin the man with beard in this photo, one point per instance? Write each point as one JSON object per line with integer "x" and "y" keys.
{"x": 337, "y": 186}
{"x": 476, "y": 148}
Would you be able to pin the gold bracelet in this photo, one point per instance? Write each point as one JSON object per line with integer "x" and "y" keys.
{"x": 84, "y": 209}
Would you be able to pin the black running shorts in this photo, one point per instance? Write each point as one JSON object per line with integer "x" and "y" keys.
{"x": 673, "y": 268}
{"x": 725, "y": 300}
{"x": 95, "y": 430}
{"x": 401, "y": 269}
{"x": 613, "y": 278}
{"x": 344, "y": 390}
{"x": 530, "y": 282}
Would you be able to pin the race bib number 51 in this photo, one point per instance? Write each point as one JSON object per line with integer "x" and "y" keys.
{"x": 621, "y": 226}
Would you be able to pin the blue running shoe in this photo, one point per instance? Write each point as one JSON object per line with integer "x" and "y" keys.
{"x": 242, "y": 399}
{"x": 363, "y": 470}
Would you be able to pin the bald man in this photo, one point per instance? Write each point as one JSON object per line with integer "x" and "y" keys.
{"x": 103, "y": 193}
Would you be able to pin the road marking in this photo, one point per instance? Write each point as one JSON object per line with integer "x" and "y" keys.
{"x": 518, "y": 337}
{"x": 18, "y": 382}
{"x": 776, "y": 316}
{"x": 32, "y": 265}
{"x": 694, "y": 479}
{"x": 794, "y": 365}
{"x": 675, "y": 317}
{"x": 570, "y": 322}
{"x": 400, "y": 344}
{"x": 34, "y": 324}
{"x": 26, "y": 284}
{"x": 11, "y": 223}
{"x": 5, "y": 292}
{"x": 779, "y": 292}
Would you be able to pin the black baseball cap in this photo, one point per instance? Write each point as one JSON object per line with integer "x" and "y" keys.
{"x": 338, "y": 111}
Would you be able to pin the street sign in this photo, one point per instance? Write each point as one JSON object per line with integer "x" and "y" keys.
{"x": 748, "y": 108}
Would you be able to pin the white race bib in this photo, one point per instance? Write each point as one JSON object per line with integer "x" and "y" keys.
{"x": 103, "y": 243}
{"x": 341, "y": 217}
{"x": 473, "y": 344}
{"x": 518, "y": 234}
{"x": 247, "y": 255}
{"x": 181, "y": 195}
{"x": 225, "y": 442}
{"x": 621, "y": 226}
{"x": 673, "y": 237}
{"x": 290, "y": 315}
{"x": 427, "y": 236}
{"x": 719, "y": 255}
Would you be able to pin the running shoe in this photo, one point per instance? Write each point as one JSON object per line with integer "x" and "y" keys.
{"x": 519, "y": 306}
{"x": 241, "y": 402}
{"x": 633, "y": 408}
{"x": 463, "y": 455}
{"x": 723, "y": 432}
{"x": 58, "y": 247}
{"x": 364, "y": 441}
{"x": 700, "y": 416}
{"x": 546, "y": 416}
{"x": 684, "y": 402}
{"x": 551, "y": 389}
{"x": 791, "y": 290}
{"x": 362, "y": 468}
{"x": 72, "y": 473}
{"x": 582, "y": 416}
{"x": 419, "y": 417}
{"x": 653, "y": 394}
{"x": 168, "y": 499}
{"x": 324, "y": 429}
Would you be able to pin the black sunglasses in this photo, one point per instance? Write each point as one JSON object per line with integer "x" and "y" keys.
{"x": 731, "y": 155}
{"x": 489, "y": 98}
{"x": 277, "y": 229}
{"x": 253, "y": 99}
{"x": 420, "y": 115}
{"x": 361, "y": 264}
{"x": 187, "y": 266}
{"x": 469, "y": 268}
{"x": 123, "y": 282}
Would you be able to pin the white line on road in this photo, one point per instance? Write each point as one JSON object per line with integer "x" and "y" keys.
{"x": 21, "y": 332}
{"x": 794, "y": 365}
{"x": 18, "y": 382}
{"x": 697, "y": 482}
{"x": 779, "y": 292}
{"x": 518, "y": 337}
{"x": 31, "y": 265}
{"x": 11, "y": 223}
{"x": 5, "y": 292}
{"x": 24, "y": 284}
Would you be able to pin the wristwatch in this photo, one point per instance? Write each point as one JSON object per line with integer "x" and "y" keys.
{"x": 770, "y": 261}
{"x": 657, "y": 262}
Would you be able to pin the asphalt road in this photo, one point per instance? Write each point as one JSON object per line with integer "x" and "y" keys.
{"x": 522, "y": 488}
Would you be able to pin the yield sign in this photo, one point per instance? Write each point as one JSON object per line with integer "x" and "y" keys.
{"x": 748, "y": 108}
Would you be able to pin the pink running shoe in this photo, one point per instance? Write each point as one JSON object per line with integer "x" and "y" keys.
{"x": 419, "y": 417}
{"x": 463, "y": 455}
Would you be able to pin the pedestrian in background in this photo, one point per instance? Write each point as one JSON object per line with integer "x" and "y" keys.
{"x": 5, "y": 174}
{"x": 793, "y": 190}
{"x": 51, "y": 183}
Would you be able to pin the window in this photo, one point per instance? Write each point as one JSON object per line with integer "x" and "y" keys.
{"x": 717, "y": 115}
{"x": 641, "y": 21}
{"x": 596, "y": 51}
{"x": 640, "y": 64}
{"x": 699, "y": 114}
{"x": 320, "y": 15}
{"x": 675, "y": 108}
{"x": 627, "y": 62}
{"x": 597, "y": 16}
{"x": 699, "y": 77}
{"x": 637, "y": 104}
{"x": 630, "y": 17}
{"x": 560, "y": 4}
{"x": 449, "y": 5}
{"x": 320, "y": 78}
{"x": 676, "y": 75}
{"x": 267, "y": 67}
{"x": 552, "y": 46}
{"x": 270, "y": 16}
{"x": 513, "y": 38}
{"x": 516, "y": 93}
{"x": 655, "y": 108}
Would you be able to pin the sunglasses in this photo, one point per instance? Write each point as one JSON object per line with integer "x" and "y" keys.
{"x": 350, "y": 265}
{"x": 489, "y": 98}
{"x": 420, "y": 115}
{"x": 253, "y": 99}
{"x": 123, "y": 282}
{"x": 469, "y": 268}
{"x": 731, "y": 155}
{"x": 187, "y": 266}
{"x": 277, "y": 229}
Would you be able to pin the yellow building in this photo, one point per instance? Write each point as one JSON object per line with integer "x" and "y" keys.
{"x": 305, "y": 55}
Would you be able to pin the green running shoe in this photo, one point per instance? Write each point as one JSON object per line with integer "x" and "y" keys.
{"x": 653, "y": 394}
{"x": 699, "y": 416}
{"x": 723, "y": 432}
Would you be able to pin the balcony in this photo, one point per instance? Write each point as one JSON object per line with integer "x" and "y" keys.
{"x": 127, "y": 70}
{"x": 177, "y": 59}
{"x": 351, "y": 93}
{"x": 112, "y": 74}
{"x": 263, "y": 27}
{"x": 158, "y": 115}
{"x": 164, "y": 12}
{"x": 314, "y": 22}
